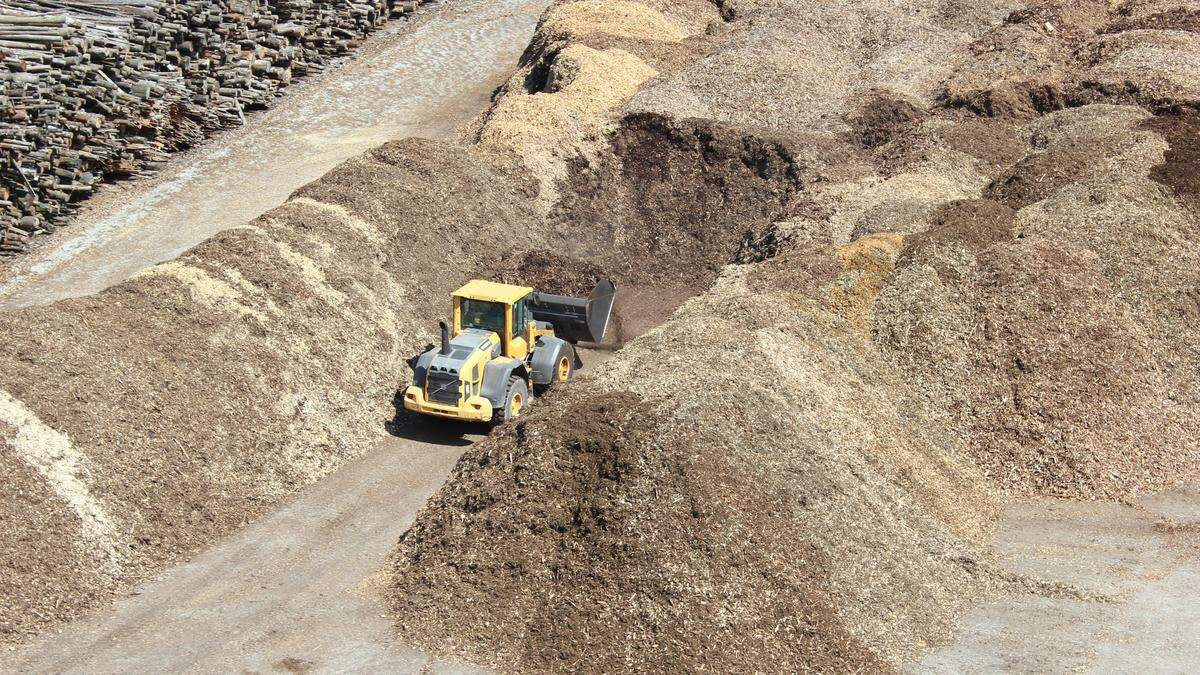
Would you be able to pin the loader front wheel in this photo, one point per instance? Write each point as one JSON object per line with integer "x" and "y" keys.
{"x": 516, "y": 397}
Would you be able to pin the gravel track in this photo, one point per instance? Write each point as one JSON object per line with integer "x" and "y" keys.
{"x": 291, "y": 591}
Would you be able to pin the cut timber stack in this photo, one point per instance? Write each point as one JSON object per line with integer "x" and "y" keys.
{"x": 95, "y": 90}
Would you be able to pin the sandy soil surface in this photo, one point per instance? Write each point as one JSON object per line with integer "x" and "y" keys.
{"x": 292, "y": 591}
{"x": 424, "y": 78}
{"x": 1146, "y": 559}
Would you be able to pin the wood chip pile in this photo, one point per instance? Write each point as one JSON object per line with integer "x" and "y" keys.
{"x": 105, "y": 89}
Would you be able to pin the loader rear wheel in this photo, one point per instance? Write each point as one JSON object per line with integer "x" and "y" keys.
{"x": 564, "y": 369}
{"x": 562, "y": 372}
{"x": 516, "y": 397}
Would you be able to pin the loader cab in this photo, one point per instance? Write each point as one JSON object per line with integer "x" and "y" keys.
{"x": 500, "y": 308}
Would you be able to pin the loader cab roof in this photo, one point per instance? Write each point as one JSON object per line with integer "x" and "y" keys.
{"x": 491, "y": 291}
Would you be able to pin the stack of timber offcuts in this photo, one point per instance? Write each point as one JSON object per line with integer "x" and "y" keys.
{"x": 99, "y": 90}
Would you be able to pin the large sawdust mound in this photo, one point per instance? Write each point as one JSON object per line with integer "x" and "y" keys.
{"x": 667, "y": 519}
{"x": 1061, "y": 336}
{"x": 142, "y": 423}
{"x": 800, "y": 66}
{"x": 1091, "y": 177}
{"x": 671, "y": 202}
{"x": 964, "y": 281}
{"x": 586, "y": 60}
{"x": 1049, "y": 55}
{"x": 750, "y": 485}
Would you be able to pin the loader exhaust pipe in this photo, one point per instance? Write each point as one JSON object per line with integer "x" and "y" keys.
{"x": 445, "y": 338}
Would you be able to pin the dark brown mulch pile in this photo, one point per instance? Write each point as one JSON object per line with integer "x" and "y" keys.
{"x": 580, "y": 542}
{"x": 549, "y": 272}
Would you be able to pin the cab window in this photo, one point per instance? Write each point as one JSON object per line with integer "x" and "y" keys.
{"x": 520, "y": 317}
{"x": 482, "y": 314}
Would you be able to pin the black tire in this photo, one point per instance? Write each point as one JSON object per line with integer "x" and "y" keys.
{"x": 516, "y": 397}
{"x": 564, "y": 370}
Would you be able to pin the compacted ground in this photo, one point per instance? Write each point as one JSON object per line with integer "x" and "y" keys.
{"x": 1139, "y": 566}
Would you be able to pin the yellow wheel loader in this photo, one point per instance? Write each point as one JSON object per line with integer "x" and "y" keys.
{"x": 504, "y": 344}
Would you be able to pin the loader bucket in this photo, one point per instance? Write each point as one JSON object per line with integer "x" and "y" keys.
{"x": 576, "y": 319}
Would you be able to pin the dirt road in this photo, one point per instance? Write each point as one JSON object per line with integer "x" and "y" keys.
{"x": 420, "y": 78}
{"x": 291, "y": 591}
{"x": 1151, "y": 573}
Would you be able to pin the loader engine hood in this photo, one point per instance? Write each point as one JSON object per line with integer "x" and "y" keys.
{"x": 461, "y": 348}
{"x": 440, "y": 371}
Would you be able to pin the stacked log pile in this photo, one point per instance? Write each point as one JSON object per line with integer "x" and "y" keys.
{"x": 99, "y": 90}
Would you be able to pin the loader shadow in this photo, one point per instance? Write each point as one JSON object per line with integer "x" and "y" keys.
{"x": 432, "y": 430}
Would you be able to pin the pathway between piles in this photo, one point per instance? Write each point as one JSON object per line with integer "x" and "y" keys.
{"x": 300, "y": 588}
{"x": 1144, "y": 557}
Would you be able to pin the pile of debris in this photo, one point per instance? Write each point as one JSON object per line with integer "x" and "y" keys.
{"x": 980, "y": 274}
{"x": 95, "y": 91}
